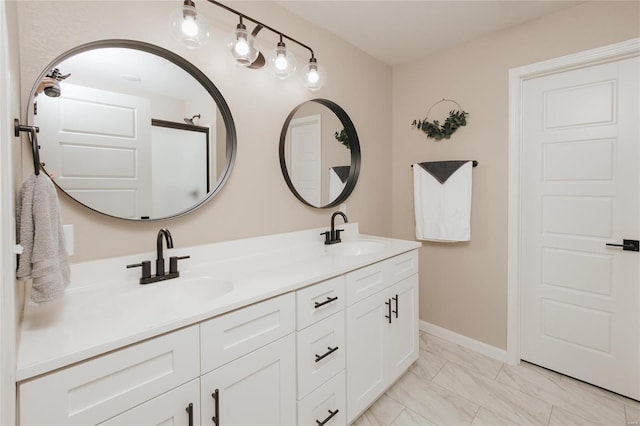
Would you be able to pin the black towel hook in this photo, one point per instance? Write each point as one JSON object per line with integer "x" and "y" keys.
{"x": 33, "y": 138}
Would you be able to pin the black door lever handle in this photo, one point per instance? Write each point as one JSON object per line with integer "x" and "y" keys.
{"x": 627, "y": 245}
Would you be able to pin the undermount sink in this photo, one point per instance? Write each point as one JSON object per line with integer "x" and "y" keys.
{"x": 189, "y": 289}
{"x": 355, "y": 248}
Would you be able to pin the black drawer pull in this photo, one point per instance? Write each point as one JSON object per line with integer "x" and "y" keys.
{"x": 190, "y": 411}
{"x": 329, "y": 300}
{"x": 329, "y": 352}
{"x": 388, "y": 303}
{"x": 216, "y": 407}
{"x": 396, "y": 299}
{"x": 331, "y": 414}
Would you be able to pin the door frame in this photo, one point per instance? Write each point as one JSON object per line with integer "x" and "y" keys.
{"x": 610, "y": 53}
{"x": 9, "y": 106}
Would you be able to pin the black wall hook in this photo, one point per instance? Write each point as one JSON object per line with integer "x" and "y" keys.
{"x": 33, "y": 138}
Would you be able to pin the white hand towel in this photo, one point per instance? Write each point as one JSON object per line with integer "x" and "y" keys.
{"x": 44, "y": 258}
{"x": 337, "y": 180}
{"x": 443, "y": 210}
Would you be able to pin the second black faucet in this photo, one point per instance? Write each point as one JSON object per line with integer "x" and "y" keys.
{"x": 333, "y": 236}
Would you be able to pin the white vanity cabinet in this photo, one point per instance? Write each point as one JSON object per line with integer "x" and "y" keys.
{"x": 382, "y": 328}
{"x": 316, "y": 349}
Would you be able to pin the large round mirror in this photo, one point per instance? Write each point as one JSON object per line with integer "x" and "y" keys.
{"x": 132, "y": 130}
{"x": 320, "y": 153}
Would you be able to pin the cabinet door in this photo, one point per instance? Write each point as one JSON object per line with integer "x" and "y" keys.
{"x": 403, "y": 343}
{"x": 178, "y": 407}
{"x": 256, "y": 389}
{"x": 367, "y": 329}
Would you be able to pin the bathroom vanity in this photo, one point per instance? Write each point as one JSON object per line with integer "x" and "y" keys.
{"x": 271, "y": 330}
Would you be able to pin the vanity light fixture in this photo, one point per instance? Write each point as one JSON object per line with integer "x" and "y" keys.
{"x": 190, "y": 28}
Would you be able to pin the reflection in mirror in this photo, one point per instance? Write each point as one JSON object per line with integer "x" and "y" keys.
{"x": 320, "y": 153}
{"x": 135, "y": 131}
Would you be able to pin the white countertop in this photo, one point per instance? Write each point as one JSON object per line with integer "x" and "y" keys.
{"x": 98, "y": 315}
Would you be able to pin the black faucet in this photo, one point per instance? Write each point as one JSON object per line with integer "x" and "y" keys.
{"x": 164, "y": 232}
{"x": 333, "y": 236}
{"x": 160, "y": 275}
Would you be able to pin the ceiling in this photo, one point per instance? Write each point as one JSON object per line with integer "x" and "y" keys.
{"x": 398, "y": 31}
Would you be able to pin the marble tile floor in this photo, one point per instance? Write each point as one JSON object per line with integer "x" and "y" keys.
{"x": 452, "y": 385}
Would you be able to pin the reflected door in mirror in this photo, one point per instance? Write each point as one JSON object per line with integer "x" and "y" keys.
{"x": 305, "y": 154}
{"x": 97, "y": 146}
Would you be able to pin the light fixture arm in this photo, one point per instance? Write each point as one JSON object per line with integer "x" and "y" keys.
{"x": 261, "y": 25}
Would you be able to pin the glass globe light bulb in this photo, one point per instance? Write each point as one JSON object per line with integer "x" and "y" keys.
{"x": 241, "y": 45}
{"x": 314, "y": 75}
{"x": 282, "y": 62}
{"x": 188, "y": 27}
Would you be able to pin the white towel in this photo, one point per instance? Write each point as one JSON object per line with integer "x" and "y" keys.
{"x": 44, "y": 258}
{"x": 443, "y": 210}
{"x": 336, "y": 184}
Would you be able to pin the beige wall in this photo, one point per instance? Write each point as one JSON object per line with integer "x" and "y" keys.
{"x": 255, "y": 201}
{"x": 463, "y": 287}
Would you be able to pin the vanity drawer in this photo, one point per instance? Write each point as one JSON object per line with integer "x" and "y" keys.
{"x": 403, "y": 266}
{"x": 318, "y": 406}
{"x": 96, "y": 390}
{"x": 371, "y": 279}
{"x": 319, "y": 301}
{"x": 366, "y": 281}
{"x": 321, "y": 352}
{"x": 230, "y": 336}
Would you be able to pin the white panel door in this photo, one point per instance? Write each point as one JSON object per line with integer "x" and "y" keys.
{"x": 581, "y": 298}
{"x": 98, "y": 146}
{"x": 306, "y": 157}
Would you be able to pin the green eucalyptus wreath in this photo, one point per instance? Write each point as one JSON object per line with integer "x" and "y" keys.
{"x": 433, "y": 129}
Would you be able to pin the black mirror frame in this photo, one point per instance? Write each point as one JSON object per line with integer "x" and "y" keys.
{"x": 354, "y": 143}
{"x": 225, "y": 112}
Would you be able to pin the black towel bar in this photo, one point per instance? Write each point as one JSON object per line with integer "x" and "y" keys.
{"x": 475, "y": 164}
{"x": 33, "y": 138}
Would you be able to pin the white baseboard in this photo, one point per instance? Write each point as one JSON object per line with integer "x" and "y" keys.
{"x": 467, "y": 342}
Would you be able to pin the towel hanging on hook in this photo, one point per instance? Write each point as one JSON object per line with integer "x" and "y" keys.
{"x": 33, "y": 138}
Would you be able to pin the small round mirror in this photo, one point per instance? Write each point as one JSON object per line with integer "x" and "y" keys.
{"x": 320, "y": 153}
{"x": 132, "y": 130}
